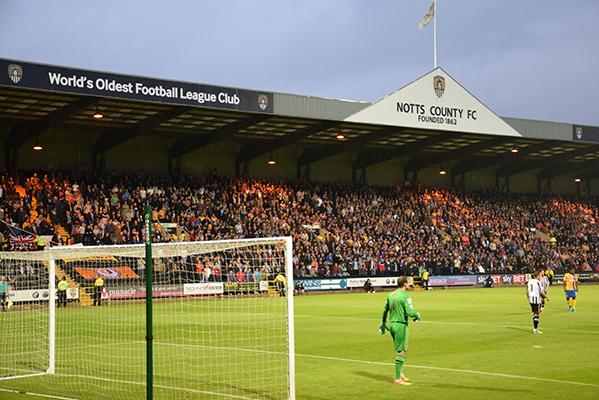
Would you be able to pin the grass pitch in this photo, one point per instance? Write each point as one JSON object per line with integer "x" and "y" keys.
{"x": 471, "y": 344}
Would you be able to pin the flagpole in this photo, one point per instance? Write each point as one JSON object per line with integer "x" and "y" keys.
{"x": 435, "y": 33}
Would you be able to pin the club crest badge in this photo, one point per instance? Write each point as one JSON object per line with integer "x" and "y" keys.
{"x": 15, "y": 73}
{"x": 579, "y": 132}
{"x": 263, "y": 102}
{"x": 439, "y": 85}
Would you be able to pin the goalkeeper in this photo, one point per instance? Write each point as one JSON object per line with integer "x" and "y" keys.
{"x": 399, "y": 306}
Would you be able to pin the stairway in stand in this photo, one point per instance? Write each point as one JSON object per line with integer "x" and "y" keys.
{"x": 85, "y": 298}
{"x": 62, "y": 232}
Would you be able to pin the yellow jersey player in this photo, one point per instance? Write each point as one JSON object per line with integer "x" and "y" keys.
{"x": 571, "y": 287}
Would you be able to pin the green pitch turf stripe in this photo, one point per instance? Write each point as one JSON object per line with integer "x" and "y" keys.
{"x": 465, "y": 371}
{"x": 446, "y": 323}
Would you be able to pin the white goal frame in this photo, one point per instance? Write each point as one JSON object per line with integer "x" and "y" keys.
{"x": 138, "y": 250}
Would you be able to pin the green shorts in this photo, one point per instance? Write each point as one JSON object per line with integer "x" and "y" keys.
{"x": 399, "y": 333}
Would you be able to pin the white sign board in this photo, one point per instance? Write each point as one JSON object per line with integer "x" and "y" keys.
{"x": 17, "y": 296}
{"x": 434, "y": 102}
{"x": 376, "y": 282}
{"x": 203, "y": 288}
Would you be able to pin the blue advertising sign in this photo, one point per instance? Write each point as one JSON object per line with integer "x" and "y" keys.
{"x": 324, "y": 284}
{"x": 453, "y": 280}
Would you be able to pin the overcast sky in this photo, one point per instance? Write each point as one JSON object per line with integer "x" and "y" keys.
{"x": 533, "y": 59}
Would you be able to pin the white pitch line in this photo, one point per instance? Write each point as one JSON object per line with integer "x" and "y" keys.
{"x": 37, "y": 394}
{"x": 465, "y": 371}
{"x": 7, "y": 378}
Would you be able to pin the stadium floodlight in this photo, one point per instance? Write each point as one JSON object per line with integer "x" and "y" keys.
{"x": 340, "y": 137}
{"x": 442, "y": 171}
{"x": 222, "y": 321}
{"x": 577, "y": 180}
{"x": 38, "y": 147}
{"x": 98, "y": 114}
{"x": 271, "y": 160}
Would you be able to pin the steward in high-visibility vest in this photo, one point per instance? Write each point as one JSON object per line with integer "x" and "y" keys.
{"x": 63, "y": 285}
{"x": 98, "y": 288}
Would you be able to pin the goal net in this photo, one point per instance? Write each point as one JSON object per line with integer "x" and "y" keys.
{"x": 222, "y": 316}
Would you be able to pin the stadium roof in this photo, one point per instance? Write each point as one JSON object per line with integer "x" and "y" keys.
{"x": 35, "y": 98}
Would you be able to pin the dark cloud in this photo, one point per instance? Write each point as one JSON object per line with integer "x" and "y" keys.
{"x": 532, "y": 59}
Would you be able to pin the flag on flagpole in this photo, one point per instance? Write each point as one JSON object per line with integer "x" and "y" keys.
{"x": 427, "y": 17}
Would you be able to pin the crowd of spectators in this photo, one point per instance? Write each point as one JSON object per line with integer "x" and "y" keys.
{"x": 338, "y": 229}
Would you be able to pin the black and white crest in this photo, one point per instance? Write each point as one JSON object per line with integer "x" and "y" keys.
{"x": 15, "y": 73}
{"x": 263, "y": 102}
{"x": 439, "y": 85}
{"x": 579, "y": 132}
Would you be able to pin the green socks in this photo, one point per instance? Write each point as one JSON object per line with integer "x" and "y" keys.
{"x": 399, "y": 360}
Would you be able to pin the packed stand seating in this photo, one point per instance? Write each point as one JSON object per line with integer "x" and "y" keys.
{"x": 338, "y": 229}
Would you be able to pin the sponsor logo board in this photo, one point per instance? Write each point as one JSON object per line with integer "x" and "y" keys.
{"x": 203, "y": 288}
{"x": 376, "y": 282}
{"x": 17, "y": 296}
{"x": 324, "y": 284}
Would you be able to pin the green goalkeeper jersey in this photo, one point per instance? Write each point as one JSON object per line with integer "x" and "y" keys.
{"x": 399, "y": 306}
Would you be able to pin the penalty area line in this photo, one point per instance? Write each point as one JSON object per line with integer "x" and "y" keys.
{"x": 48, "y": 396}
{"x": 464, "y": 371}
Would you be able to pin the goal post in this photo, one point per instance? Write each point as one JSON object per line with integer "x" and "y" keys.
{"x": 222, "y": 321}
{"x": 51, "y": 316}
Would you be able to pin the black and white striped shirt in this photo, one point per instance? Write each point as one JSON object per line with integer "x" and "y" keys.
{"x": 534, "y": 291}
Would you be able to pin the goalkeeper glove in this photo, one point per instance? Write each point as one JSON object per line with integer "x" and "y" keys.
{"x": 382, "y": 329}
{"x": 416, "y": 318}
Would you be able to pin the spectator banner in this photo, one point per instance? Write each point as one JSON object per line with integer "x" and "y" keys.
{"x": 453, "y": 280}
{"x": 107, "y": 273}
{"x": 376, "y": 282}
{"x": 22, "y": 242}
{"x": 203, "y": 288}
{"x": 139, "y": 292}
{"x": 18, "y": 74}
{"x": 17, "y": 296}
{"x": 324, "y": 284}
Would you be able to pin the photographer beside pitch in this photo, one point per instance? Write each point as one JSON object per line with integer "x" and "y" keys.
{"x": 399, "y": 306}
{"x": 4, "y": 290}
